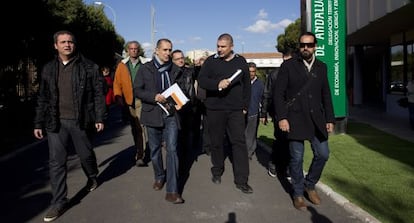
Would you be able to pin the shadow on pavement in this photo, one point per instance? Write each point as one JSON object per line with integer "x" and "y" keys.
{"x": 24, "y": 188}
{"x": 119, "y": 164}
{"x": 316, "y": 217}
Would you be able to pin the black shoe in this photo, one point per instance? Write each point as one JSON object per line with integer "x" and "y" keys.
{"x": 245, "y": 188}
{"x": 92, "y": 184}
{"x": 216, "y": 179}
{"x": 54, "y": 213}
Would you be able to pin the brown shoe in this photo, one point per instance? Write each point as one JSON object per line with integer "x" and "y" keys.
{"x": 299, "y": 203}
{"x": 174, "y": 198}
{"x": 158, "y": 184}
{"x": 313, "y": 196}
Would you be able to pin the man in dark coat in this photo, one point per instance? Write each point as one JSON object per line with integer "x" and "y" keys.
{"x": 152, "y": 79}
{"x": 279, "y": 157}
{"x": 303, "y": 106}
{"x": 70, "y": 106}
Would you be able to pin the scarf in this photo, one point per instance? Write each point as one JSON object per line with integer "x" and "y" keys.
{"x": 163, "y": 76}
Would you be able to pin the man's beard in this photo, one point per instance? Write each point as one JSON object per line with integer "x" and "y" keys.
{"x": 306, "y": 55}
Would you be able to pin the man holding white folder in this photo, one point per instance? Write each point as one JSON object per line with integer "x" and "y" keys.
{"x": 225, "y": 76}
{"x": 152, "y": 80}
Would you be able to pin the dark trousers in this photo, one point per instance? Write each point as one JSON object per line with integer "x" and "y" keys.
{"x": 205, "y": 139}
{"x": 232, "y": 123}
{"x": 59, "y": 143}
{"x": 188, "y": 141}
{"x": 280, "y": 149}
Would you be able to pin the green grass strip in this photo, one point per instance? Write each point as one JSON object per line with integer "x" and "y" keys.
{"x": 371, "y": 168}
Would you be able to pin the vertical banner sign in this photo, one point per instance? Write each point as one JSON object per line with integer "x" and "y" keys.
{"x": 328, "y": 23}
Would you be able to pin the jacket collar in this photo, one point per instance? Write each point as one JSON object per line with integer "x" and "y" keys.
{"x": 126, "y": 59}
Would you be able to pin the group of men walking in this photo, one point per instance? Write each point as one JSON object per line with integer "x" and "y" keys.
{"x": 71, "y": 106}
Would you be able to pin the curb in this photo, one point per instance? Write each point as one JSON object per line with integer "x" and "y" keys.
{"x": 346, "y": 204}
{"x": 337, "y": 198}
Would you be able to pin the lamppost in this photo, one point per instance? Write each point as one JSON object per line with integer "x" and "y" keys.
{"x": 153, "y": 30}
{"x": 106, "y": 5}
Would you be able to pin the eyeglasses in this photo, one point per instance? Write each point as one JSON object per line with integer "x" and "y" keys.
{"x": 178, "y": 58}
{"x": 309, "y": 45}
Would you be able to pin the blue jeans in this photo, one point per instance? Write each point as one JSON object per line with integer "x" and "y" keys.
{"x": 58, "y": 143}
{"x": 320, "y": 156}
{"x": 169, "y": 134}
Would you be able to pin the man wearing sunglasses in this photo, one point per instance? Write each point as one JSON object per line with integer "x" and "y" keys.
{"x": 303, "y": 106}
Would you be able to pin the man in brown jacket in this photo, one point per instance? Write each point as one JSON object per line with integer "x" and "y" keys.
{"x": 123, "y": 90}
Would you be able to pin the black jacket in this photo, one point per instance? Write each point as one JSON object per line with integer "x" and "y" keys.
{"x": 237, "y": 95}
{"x": 186, "y": 83}
{"x": 88, "y": 97}
{"x": 312, "y": 108}
{"x": 267, "y": 95}
{"x": 146, "y": 87}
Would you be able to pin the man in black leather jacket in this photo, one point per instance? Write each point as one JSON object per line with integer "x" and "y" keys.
{"x": 190, "y": 119}
{"x": 70, "y": 106}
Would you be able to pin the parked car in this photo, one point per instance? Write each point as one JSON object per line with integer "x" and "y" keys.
{"x": 397, "y": 86}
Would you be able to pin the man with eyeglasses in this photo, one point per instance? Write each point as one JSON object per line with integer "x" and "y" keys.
{"x": 303, "y": 106}
{"x": 190, "y": 119}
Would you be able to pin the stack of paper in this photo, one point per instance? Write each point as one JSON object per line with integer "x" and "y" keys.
{"x": 177, "y": 95}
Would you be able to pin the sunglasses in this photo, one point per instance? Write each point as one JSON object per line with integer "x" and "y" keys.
{"x": 309, "y": 45}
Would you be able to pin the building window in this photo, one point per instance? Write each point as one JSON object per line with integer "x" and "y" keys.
{"x": 397, "y": 85}
{"x": 410, "y": 61}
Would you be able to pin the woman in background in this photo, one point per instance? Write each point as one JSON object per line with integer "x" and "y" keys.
{"x": 108, "y": 87}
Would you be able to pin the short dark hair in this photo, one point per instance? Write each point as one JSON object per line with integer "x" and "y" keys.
{"x": 251, "y": 64}
{"x": 307, "y": 33}
{"x": 63, "y": 32}
{"x": 177, "y": 51}
{"x": 226, "y": 36}
{"x": 289, "y": 51}
{"x": 163, "y": 40}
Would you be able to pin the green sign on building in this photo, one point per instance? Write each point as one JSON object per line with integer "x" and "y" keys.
{"x": 328, "y": 22}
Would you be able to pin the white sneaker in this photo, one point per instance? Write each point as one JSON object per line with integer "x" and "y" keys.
{"x": 271, "y": 169}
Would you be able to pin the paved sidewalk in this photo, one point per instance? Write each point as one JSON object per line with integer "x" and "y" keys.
{"x": 126, "y": 194}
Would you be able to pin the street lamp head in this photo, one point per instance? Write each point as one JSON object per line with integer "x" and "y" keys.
{"x": 106, "y": 5}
